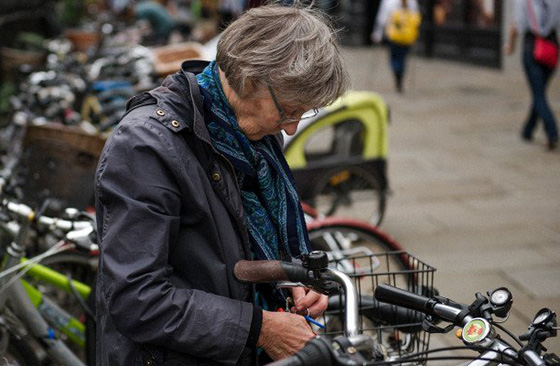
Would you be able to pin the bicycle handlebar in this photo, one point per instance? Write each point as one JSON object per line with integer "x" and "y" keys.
{"x": 79, "y": 232}
{"x": 316, "y": 352}
{"x": 269, "y": 271}
{"x": 451, "y": 312}
{"x": 24, "y": 211}
{"x": 458, "y": 314}
{"x": 407, "y": 299}
{"x": 313, "y": 273}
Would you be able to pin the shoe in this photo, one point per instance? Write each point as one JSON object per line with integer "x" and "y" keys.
{"x": 526, "y": 137}
{"x": 552, "y": 144}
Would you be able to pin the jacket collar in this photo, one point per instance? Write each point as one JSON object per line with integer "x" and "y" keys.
{"x": 180, "y": 104}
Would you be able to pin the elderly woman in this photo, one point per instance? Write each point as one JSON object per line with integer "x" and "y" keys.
{"x": 193, "y": 180}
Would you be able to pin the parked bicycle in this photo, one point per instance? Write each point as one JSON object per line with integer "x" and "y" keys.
{"x": 479, "y": 325}
{"x": 478, "y": 330}
{"x": 352, "y": 312}
{"x": 33, "y": 326}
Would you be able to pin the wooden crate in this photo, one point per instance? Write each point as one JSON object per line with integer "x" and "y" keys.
{"x": 168, "y": 59}
{"x": 59, "y": 162}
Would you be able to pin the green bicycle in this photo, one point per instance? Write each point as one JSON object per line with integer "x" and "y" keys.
{"x": 33, "y": 326}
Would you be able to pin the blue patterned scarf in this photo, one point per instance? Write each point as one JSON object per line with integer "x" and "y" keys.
{"x": 273, "y": 213}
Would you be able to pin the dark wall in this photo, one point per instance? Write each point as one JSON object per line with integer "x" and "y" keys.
{"x": 462, "y": 30}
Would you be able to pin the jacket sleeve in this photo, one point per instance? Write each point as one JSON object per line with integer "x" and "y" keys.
{"x": 140, "y": 200}
{"x": 381, "y": 19}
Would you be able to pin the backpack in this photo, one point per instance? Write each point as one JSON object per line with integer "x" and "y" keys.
{"x": 403, "y": 27}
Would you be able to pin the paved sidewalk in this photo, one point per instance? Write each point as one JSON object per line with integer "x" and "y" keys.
{"x": 471, "y": 198}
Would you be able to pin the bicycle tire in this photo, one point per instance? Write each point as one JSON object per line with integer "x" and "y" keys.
{"x": 347, "y": 190}
{"x": 73, "y": 260}
{"x": 369, "y": 235}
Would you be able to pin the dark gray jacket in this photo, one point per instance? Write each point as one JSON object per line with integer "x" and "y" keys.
{"x": 170, "y": 219}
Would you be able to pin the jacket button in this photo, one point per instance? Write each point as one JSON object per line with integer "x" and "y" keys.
{"x": 175, "y": 123}
{"x": 149, "y": 363}
{"x": 216, "y": 177}
{"x": 160, "y": 112}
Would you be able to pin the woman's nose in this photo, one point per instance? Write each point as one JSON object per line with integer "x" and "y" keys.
{"x": 290, "y": 128}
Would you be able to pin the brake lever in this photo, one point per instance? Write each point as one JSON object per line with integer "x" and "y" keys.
{"x": 429, "y": 326}
{"x": 326, "y": 288}
{"x": 551, "y": 359}
{"x": 288, "y": 284}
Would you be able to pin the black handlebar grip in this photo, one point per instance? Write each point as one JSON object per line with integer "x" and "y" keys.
{"x": 397, "y": 296}
{"x": 316, "y": 352}
{"x": 290, "y": 361}
{"x": 269, "y": 271}
{"x": 409, "y": 321}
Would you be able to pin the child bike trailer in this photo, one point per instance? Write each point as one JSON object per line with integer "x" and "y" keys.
{"x": 339, "y": 157}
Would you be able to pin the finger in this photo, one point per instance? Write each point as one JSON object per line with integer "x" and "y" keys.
{"x": 319, "y": 307}
{"x": 298, "y": 294}
{"x": 307, "y": 301}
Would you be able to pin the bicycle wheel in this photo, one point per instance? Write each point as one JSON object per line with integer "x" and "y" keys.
{"x": 350, "y": 192}
{"x": 336, "y": 234}
{"x": 80, "y": 266}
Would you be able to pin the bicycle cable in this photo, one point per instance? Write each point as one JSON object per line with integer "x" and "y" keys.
{"x": 79, "y": 298}
{"x": 28, "y": 264}
{"x": 513, "y": 336}
{"x": 417, "y": 357}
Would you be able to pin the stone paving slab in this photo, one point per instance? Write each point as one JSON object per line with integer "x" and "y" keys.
{"x": 541, "y": 283}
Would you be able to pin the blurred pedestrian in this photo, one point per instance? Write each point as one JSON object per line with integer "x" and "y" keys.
{"x": 398, "y": 23}
{"x": 536, "y": 18}
{"x": 228, "y": 11}
{"x": 160, "y": 21}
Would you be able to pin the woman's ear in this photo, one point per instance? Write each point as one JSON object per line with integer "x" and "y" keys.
{"x": 253, "y": 89}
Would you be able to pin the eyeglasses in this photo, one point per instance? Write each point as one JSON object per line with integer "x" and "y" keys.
{"x": 290, "y": 119}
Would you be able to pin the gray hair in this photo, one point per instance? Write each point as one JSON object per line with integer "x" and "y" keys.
{"x": 292, "y": 49}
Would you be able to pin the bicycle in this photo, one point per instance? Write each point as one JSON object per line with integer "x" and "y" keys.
{"x": 353, "y": 312}
{"x": 478, "y": 323}
{"x": 33, "y": 326}
{"x": 369, "y": 255}
{"x": 340, "y": 235}
{"x": 478, "y": 330}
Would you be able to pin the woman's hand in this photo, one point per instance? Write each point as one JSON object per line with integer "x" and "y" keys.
{"x": 309, "y": 302}
{"x": 375, "y": 38}
{"x": 509, "y": 47}
{"x": 283, "y": 334}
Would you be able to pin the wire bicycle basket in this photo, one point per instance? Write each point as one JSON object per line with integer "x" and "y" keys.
{"x": 399, "y": 330}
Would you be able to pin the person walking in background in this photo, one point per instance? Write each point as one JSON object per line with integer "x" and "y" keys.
{"x": 398, "y": 22}
{"x": 536, "y": 18}
{"x": 228, "y": 11}
{"x": 160, "y": 21}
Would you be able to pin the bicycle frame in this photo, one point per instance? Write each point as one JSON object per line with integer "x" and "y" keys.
{"x": 54, "y": 278}
{"x": 40, "y": 314}
{"x": 54, "y": 314}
